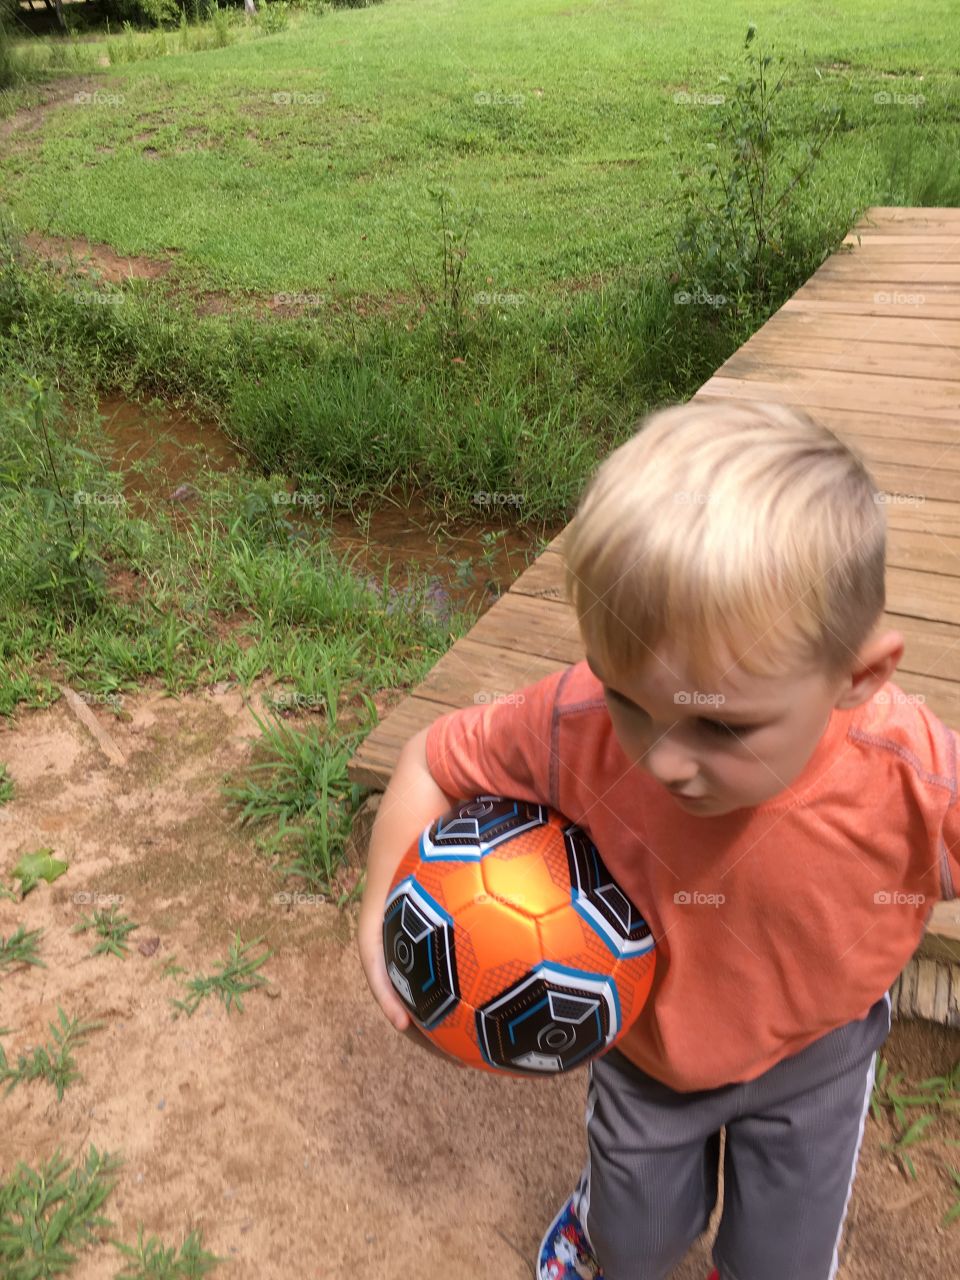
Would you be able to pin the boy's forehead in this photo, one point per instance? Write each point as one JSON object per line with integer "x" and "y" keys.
{"x": 667, "y": 671}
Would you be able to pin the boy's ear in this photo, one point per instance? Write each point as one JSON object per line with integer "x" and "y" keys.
{"x": 876, "y": 662}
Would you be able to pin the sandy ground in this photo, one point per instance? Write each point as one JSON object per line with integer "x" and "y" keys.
{"x": 303, "y": 1136}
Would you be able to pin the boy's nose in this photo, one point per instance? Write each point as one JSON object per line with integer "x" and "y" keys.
{"x": 671, "y": 767}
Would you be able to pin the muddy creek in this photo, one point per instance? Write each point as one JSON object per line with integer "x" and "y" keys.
{"x": 163, "y": 455}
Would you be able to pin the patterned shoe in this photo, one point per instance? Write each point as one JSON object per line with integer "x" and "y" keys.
{"x": 565, "y": 1252}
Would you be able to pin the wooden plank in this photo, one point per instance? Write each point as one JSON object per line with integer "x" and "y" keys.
{"x": 923, "y": 549}
{"x": 939, "y": 519}
{"x": 812, "y": 388}
{"x": 880, "y": 248}
{"x": 769, "y": 354}
{"x": 837, "y": 300}
{"x": 788, "y": 323}
{"x": 547, "y": 628}
{"x": 934, "y": 596}
{"x": 924, "y": 458}
{"x": 931, "y": 650}
{"x": 543, "y": 579}
{"x": 373, "y": 762}
{"x": 908, "y": 220}
{"x": 471, "y": 673}
{"x": 865, "y": 267}
{"x": 853, "y": 423}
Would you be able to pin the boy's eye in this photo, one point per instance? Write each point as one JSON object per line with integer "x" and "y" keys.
{"x": 711, "y": 726}
{"x": 725, "y": 730}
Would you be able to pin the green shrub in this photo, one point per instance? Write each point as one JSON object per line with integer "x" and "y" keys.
{"x": 274, "y": 17}
{"x": 741, "y": 241}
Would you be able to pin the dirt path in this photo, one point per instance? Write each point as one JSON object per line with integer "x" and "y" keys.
{"x": 303, "y": 1135}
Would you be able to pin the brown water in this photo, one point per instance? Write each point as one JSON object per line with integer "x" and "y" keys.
{"x": 163, "y": 455}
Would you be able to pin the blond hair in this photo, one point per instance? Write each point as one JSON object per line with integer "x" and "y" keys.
{"x": 748, "y": 525}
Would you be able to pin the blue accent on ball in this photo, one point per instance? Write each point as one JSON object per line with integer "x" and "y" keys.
{"x": 520, "y": 1018}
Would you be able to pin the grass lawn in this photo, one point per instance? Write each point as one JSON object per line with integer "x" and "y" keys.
{"x": 572, "y": 149}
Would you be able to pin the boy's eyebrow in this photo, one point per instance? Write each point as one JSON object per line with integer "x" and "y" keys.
{"x": 749, "y": 718}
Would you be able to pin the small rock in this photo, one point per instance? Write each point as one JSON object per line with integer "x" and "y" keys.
{"x": 183, "y": 493}
{"x": 369, "y": 1237}
{"x": 148, "y": 946}
{"x": 161, "y": 1104}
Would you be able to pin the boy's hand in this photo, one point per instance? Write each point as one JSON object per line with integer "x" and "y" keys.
{"x": 370, "y": 942}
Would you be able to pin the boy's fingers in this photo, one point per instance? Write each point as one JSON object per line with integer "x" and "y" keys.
{"x": 386, "y": 996}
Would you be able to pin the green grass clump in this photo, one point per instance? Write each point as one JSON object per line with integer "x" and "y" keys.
{"x": 237, "y": 975}
{"x": 112, "y": 929}
{"x": 53, "y": 1062}
{"x": 153, "y": 1261}
{"x": 21, "y": 948}
{"x": 46, "y": 1214}
{"x": 935, "y": 1097}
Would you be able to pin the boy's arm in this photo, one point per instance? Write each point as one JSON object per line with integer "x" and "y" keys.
{"x": 502, "y": 747}
{"x": 412, "y": 800}
{"x": 499, "y": 748}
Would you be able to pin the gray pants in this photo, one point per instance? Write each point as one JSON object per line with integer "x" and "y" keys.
{"x": 792, "y": 1142}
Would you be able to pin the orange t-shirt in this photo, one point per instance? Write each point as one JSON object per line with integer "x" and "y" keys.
{"x": 826, "y": 888}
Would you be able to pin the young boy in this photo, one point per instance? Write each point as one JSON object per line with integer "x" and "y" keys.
{"x": 783, "y": 815}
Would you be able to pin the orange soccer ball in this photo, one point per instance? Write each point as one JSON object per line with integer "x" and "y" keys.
{"x": 509, "y": 942}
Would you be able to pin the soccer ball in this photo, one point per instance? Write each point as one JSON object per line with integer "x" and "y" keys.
{"x": 509, "y": 942}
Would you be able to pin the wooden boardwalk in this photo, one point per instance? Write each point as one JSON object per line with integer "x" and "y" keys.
{"x": 871, "y": 346}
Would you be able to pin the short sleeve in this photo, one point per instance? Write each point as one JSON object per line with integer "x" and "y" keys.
{"x": 501, "y": 747}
